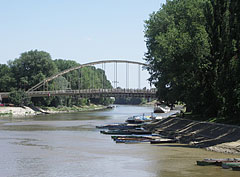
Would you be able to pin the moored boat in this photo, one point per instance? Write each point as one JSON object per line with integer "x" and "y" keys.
{"x": 139, "y": 119}
{"x": 163, "y": 140}
{"x": 126, "y": 132}
{"x": 161, "y": 108}
{"x": 205, "y": 163}
{"x": 237, "y": 168}
{"x": 119, "y": 126}
{"x": 217, "y": 162}
{"x": 227, "y": 165}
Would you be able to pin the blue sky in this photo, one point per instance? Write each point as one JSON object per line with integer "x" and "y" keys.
{"x": 80, "y": 30}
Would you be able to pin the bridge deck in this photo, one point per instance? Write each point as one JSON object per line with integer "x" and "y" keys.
{"x": 93, "y": 93}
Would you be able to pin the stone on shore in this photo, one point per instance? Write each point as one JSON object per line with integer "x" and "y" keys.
{"x": 211, "y": 136}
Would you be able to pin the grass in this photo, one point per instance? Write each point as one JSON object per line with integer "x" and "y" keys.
{"x": 222, "y": 120}
{"x": 6, "y": 114}
{"x": 74, "y": 108}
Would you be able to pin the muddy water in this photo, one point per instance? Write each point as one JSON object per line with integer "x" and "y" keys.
{"x": 69, "y": 145}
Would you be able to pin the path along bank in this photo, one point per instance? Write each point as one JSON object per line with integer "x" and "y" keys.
{"x": 211, "y": 136}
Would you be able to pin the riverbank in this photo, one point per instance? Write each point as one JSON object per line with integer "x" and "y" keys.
{"x": 211, "y": 136}
{"x": 27, "y": 111}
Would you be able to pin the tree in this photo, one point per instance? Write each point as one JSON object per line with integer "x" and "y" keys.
{"x": 223, "y": 27}
{"x": 178, "y": 47}
{"x": 7, "y": 81}
{"x": 19, "y": 98}
{"x": 31, "y": 68}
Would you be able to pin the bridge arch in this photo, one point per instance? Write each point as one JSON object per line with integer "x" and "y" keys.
{"x": 35, "y": 87}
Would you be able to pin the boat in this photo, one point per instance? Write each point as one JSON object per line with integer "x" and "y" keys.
{"x": 161, "y": 108}
{"x": 111, "y": 107}
{"x": 205, "y": 163}
{"x": 237, "y": 168}
{"x": 217, "y": 162}
{"x": 139, "y": 119}
{"x": 137, "y": 136}
{"x": 126, "y": 132}
{"x": 119, "y": 126}
{"x": 227, "y": 165}
{"x": 131, "y": 140}
{"x": 160, "y": 141}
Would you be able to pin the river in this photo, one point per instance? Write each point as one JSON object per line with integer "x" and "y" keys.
{"x": 69, "y": 145}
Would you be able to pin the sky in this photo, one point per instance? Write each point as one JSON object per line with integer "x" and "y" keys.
{"x": 80, "y": 30}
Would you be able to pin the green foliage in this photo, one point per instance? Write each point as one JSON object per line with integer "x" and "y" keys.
{"x": 7, "y": 80}
{"x": 19, "y": 98}
{"x": 193, "y": 55}
{"x": 130, "y": 101}
{"x": 177, "y": 49}
{"x": 103, "y": 101}
{"x": 31, "y": 68}
{"x": 223, "y": 27}
{"x": 34, "y": 66}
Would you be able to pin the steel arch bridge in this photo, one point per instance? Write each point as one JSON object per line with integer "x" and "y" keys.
{"x": 40, "y": 84}
{"x": 147, "y": 93}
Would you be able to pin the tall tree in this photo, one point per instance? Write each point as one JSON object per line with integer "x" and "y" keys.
{"x": 31, "y": 68}
{"x": 7, "y": 81}
{"x": 177, "y": 46}
{"x": 223, "y": 29}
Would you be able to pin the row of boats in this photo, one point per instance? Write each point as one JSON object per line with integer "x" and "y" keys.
{"x": 133, "y": 131}
{"x": 227, "y": 163}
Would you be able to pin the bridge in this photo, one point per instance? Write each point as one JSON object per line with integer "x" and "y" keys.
{"x": 93, "y": 93}
{"x": 39, "y": 90}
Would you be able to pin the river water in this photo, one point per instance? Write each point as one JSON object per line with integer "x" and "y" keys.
{"x": 69, "y": 145}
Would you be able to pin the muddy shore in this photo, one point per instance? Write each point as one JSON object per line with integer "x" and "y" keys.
{"x": 211, "y": 136}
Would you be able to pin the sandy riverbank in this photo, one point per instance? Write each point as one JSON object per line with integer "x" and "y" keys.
{"x": 16, "y": 111}
{"x": 27, "y": 111}
{"x": 211, "y": 136}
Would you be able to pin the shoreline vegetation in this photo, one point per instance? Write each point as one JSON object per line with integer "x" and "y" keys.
{"x": 27, "y": 111}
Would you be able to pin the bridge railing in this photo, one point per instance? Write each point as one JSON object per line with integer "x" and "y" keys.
{"x": 95, "y": 91}
{"x": 92, "y": 92}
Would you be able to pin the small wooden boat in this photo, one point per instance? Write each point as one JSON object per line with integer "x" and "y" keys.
{"x": 126, "y": 132}
{"x": 237, "y": 168}
{"x": 139, "y": 119}
{"x": 205, "y": 163}
{"x": 132, "y": 140}
{"x": 227, "y": 165}
{"x": 132, "y": 136}
{"x": 163, "y": 140}
{"x": 161, "y": 108}
{"x": 217, "y": 162}
{"x": 119, "y": 126}
{"x": 111, "y": 107}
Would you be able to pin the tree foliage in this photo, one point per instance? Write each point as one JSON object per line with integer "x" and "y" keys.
{"x": 177, "y": 48}
{"x": 31, "y": 68}
{"x": 34, "y": 66}
{"x": 193, "y": 55}
{"x": 7, "y": 81}
{"x": 19, "y": 98}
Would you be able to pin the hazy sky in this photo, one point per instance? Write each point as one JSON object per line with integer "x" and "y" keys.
{"x": 80, "y": 30}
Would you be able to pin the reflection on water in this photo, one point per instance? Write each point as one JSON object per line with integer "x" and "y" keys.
{"x": 70, "y": 145}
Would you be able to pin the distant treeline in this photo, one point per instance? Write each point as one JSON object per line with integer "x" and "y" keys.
{"x": 194, "y": 56}
{"x": 130, "y": 101}
{"x": 34, "y": 66}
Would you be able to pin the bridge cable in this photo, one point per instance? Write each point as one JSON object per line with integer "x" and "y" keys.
{"x": 127, "y": 75}
{"x": 139, "y": 77}
{"x": 116, "y": 75}
{"x": 103, "y": 69}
